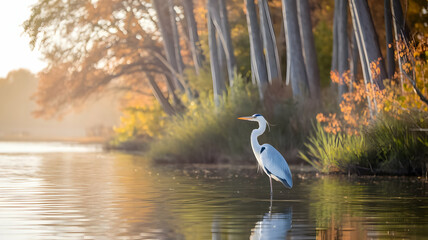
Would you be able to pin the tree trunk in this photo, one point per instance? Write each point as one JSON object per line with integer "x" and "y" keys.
{"x": 221, "y": 27}
{"x": 369, "y": 40}
{"x": 399, "y": 20}
{"x": 299, "y": 82}
{"x": 164, "y": 21}
{"x": 177, "y": 47}
{"x": 288, "y": 56}
{"x": 335, "y": 54}
{"x": 253, "y": 68}
{"x": 269, "y": 43}
{"x": 362, "y": 53}
{"x": 221, "y": 43}
{"x": 166, "y": 106}
{"x": 354, "y": 62}
{"x": 390, "y": 62}
{"x": 195, "y": 45}
{"x": 282, "y": 52}
{"x": 218, "y": 83}
{"x": 176, "y": 37}
{"x": 342, "y": 34}
{"x": 309, "y": 51}
{"x": 221, "y": 55}
{"x": 257, "y": 47}
{"x": 401, "y": 33}
{"x": 169, "y": 83}
{"x": 228, "y": 47}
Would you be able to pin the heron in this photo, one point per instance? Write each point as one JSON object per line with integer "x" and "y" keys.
{"x": 268, "y": 158}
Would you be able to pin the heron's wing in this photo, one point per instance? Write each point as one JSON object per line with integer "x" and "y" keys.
{"x": 275, "y": 165}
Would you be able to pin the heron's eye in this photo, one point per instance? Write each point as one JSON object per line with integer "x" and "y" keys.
{"x": 256, "y": 115}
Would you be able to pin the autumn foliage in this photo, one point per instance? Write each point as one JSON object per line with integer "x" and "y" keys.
{"x": 365, "y": 101}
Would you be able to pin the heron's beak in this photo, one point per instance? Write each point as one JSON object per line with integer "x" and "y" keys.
{"x": 245, "y": 118}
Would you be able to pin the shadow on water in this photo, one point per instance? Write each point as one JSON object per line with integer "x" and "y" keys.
{"x": 96, "y": 195}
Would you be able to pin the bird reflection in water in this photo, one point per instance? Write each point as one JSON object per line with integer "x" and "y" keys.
{"x": 273, "y": 225}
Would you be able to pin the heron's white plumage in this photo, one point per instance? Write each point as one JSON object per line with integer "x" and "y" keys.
{"x": 255, "y": 143}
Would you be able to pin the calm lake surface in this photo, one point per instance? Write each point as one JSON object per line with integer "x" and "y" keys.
{"x": 72, "y": 191}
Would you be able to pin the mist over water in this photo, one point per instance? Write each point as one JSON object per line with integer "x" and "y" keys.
{"x": 17, "y": 107}
{"x": 47, "y": 147}
{"x": 73, "y": 191}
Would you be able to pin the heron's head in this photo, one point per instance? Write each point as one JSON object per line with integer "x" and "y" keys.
{"x": 255, "y": 118}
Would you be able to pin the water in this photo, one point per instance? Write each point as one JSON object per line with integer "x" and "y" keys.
{"x": 63, "y": 191}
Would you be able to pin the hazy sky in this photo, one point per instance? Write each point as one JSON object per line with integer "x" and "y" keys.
{"x": 15, "y": 51}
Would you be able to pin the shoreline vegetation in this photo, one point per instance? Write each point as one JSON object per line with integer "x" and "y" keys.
{"x": 392, "y": 144}
{"x": 373, "y": 131}
{"x": 388, "y": 146}
{"x": 343, "y": 99}
{"x": 208, "y": 134}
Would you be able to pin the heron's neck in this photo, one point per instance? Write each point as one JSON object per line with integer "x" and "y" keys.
{"x": 254, "y": 135}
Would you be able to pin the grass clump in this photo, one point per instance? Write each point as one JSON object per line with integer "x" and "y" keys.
{"x": 399, "y": 145}
{"x": 389, "y": 145}
{"x": 330, "y": 152}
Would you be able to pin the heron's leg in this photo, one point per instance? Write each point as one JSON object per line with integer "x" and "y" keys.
{"x": 271, "y": 191}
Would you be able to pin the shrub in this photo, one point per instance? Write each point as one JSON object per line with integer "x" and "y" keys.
{"x": 398, "y": 145}
{"x": 139, "y": 125}
{"x": 390, "y": 145}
